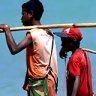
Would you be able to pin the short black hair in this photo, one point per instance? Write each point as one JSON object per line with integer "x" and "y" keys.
{"x": 34, "y": 6}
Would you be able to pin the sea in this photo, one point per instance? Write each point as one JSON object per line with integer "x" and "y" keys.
{"x": 13, "y": 67}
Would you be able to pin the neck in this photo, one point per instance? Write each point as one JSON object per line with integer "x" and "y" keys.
{"x": 74, "y": 50}
{"x": 36, "y": 22}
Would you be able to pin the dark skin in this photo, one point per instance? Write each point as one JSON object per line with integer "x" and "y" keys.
{"x": 66, "y": 47}
{"x": 27, "y": 20}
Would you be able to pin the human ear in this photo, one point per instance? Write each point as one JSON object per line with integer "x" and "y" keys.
{"x": 31, "y": 14}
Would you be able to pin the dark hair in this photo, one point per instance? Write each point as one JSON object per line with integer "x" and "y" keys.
{"x": 34, "y": 6}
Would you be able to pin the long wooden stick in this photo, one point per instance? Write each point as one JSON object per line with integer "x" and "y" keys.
{"x": 89, "y": 50}
{"x": 51, "y": 26}
{"x": 76, "y": 25}
{"x": 69, "y": 25}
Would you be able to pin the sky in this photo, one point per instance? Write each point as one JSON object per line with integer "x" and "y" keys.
{"x": 13, "y": 68}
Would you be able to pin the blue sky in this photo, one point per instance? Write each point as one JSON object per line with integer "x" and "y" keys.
{"x": 12, "y": 68}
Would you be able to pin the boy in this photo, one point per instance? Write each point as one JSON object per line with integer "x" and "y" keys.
{"x": 38, "y": 44}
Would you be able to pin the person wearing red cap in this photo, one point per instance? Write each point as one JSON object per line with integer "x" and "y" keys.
{"x": 79, "y": 76}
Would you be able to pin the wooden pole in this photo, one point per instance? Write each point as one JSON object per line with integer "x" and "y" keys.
{"x": 89, "y": 50}
{"x": 70, "y": 25}
{"x": 51, "y": 26}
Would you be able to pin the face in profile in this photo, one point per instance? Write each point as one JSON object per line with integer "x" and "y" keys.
{"x": 26, "y": 18}
{"x": 66, "y": 46}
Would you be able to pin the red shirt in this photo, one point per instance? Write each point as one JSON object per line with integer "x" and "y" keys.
{"x": 77, "y": 66}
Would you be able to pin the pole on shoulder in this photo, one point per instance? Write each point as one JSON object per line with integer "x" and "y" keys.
{"x": 51, "y": 26}
{"x": 69, "y": 25}
{"x": 89, "y": 50}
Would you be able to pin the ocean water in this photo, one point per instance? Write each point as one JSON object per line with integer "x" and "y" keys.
{"x": 13, "y": 68}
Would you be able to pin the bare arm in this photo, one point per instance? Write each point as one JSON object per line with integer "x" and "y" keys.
{"x": 13, "y": 47}
{"x": 76, "y": 86}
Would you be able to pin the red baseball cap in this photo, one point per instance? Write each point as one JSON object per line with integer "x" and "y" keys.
{"x": 73, "y": 33}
